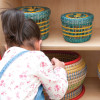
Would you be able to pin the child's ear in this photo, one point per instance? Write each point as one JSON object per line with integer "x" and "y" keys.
{"x": 40, "y": 42}
{"x": 5, "y": 46}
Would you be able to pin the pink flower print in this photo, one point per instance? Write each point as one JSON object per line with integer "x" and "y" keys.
{"x": 66, "y": 81}
{"x": 25, "y": 72}
{"x": 8, "y": 98}
{"x": 54, "y": 81}
{"x": 43, "y": 64}
{"x": 16, "y": 87}
{"x": 58, "y": 69}
{"x": 9, "y": 88}
{"x": 3, "y": 93}
{"x": 58, "y": 95}
{"x": 28, "y": 82}
{"x": 42, "y": 56}
{"x": 57, "y": 88}
{"x": 32, "y": 86}
{"x": 22, "y": 76}
{"x": 49, "y": 81}
{"x": 62, "y": 91}
{"x": 49, "y": 88}
{"x": 49, "y": 70}
{"x": 21, "y": 83}
{"x": 2, "y": 81}
{"x": 44, "y": 73}
{"x": 12, "y": 82}
{"x": 28, "y": 66}
{"x": 9, "y": 74}
{"x": 17, "y": 95}
{"x": 38, "y": 57}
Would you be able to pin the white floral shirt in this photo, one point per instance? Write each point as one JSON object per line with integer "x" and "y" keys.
{"x": 22, "y": 78}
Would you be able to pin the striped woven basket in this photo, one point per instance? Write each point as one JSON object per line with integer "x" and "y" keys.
{"x": 40, "y": 15}
{"x": 77, "y": 26}
{"x": 74, "y": 65}
{"x": 99, "y": 70}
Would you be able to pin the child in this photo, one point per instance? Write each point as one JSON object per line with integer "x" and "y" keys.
{"x": 23, "y": 77}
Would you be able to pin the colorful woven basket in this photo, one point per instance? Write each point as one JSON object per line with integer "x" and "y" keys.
{"x": 40, "y": 15}
{"x": 77, "y": 26}
{"x": 74, "y": 65}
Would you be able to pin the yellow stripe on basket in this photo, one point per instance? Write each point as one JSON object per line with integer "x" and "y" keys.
{"x": 75, "y": 70}
{"x": 42, "y": 9}
{"x": 75, "y": 66}
{"x": 76, "y": 35}
{"x": 43, "y": 25}
{"x": 44, "y": 29}
{"x": 75, "y": 81}
{"x": 78, "y": 32}
{"x": 77, "y": 15}
{"x": 43, "y": 22}
{"x": 44, "y": 33}
{"x": 76, "y": 28}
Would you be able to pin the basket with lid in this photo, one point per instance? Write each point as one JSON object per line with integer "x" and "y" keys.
{"x": 77, "y": 26}
{"x": 40, "y": 15}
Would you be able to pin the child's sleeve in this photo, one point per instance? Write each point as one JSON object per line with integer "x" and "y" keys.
{"x": 54, "y": 80}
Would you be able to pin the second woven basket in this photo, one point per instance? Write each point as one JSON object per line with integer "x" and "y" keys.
{"x": 77, "y": 26}
{"x": 76, "y": 71}
{"x": 40, "y": 15}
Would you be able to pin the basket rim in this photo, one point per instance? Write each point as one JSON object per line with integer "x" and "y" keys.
{"x": 71, "y": 52}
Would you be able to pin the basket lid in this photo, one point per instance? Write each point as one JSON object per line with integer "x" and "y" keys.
{"x": 35, "y": 11}
{"x": 77, "y": 17}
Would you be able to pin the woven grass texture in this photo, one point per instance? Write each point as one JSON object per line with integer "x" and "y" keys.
{"x": 77, "y": 26}
{"x": 40, "y": 15}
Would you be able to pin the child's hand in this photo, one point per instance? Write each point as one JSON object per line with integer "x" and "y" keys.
{"x": 56, "y": 63}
